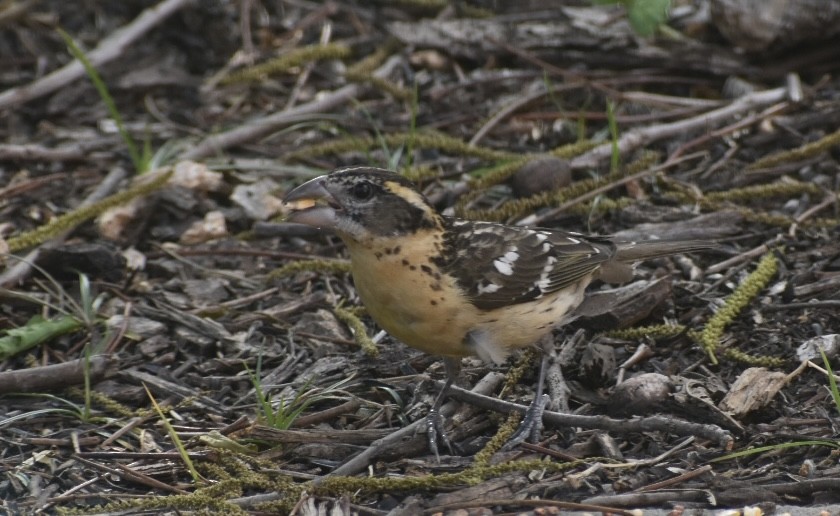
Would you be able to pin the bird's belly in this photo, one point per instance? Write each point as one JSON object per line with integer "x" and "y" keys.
{"x": 523, "y": 324}
{"x": 414, "y": 306}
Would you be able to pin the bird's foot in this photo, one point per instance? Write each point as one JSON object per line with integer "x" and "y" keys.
{"x": 531, "y": 425}
{"x": 435, "y": 432}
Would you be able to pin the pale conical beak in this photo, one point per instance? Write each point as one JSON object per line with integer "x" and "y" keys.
{"x": 312, "y": 204}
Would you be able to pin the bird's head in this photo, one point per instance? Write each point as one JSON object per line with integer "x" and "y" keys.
{"x": 362, "y": 203}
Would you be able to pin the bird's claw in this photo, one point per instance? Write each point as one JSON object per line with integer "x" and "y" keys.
{"x": 435, "y": 431}
{"x": 531, "y": 425}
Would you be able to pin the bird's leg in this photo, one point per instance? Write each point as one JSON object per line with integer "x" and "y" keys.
{"x": 531, "y": 424}
{"x": 434, "y": 421}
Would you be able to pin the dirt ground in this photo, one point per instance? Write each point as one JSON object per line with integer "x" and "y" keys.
{"x": 169, "y": 345}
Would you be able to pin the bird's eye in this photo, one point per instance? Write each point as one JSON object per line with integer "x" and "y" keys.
{"x": 362, "y": 191}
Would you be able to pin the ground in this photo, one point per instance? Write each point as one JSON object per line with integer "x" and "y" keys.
{"x": 155, "y": 306}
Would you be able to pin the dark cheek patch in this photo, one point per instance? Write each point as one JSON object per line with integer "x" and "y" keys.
{"x": 392, "y": 215}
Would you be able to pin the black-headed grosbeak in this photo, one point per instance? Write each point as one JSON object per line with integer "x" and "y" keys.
{"x": 454, "y": 287}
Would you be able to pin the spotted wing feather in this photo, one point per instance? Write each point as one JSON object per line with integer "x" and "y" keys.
{"x": 500, "y": 265}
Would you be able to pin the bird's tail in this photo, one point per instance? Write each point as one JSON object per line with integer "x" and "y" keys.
{"x": 634, "y": 251}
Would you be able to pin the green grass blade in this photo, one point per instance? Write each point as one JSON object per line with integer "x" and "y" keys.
{"x": 182, "y": 451}
{"x": 832, "y": 382}
{"x": 105, "y": 95}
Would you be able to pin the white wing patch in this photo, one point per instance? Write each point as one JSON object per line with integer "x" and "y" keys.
{"x": 544, "y": 282}
{"x": 486, "y": 228}
{"x": 505, "y": 264}
{"x": 503, "y": 267}
{"x": 488, "y": 288}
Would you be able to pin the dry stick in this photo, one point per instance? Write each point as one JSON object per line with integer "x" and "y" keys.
{"x": 832, "y": 198}
{"x": 512, "y": 107}
{"x": 643, "y": 136}
{"x": 11, "y": 151}
{"x": 56, "y": 376}
{"x": 67, "y": 495}
{"x": 32, "y": 184}
{"x": 731, "y": 128}
{"x": 645, "y": 424}
{"x": 131, "y": 475}
{"x": 262, "y": 126}
{"x": 797, "y": 306}
{"x": 328, "y": 414}
{"x": 639, "y": 96}
{"x": 689, "y": 475}
{"x": 647, "y": 499}
{"x": 131, "y": 425}
{"x": 540, "y": 503}
{"x": 746, "y": 255}
{"x": 109, "y": 49}
{"x": 644, "y": 97}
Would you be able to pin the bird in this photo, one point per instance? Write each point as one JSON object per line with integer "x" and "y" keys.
{"x": 452, "y": 287}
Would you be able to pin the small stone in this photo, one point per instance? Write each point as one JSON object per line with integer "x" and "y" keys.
{"x": 642, "y": 394}
{"x": 541, "y": 175}
{"x": 810, "y": 349}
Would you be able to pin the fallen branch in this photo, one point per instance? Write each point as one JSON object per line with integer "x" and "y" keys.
{"x": 109, "y": 49}
{"x": 261, "y": 126}
{"x": 56, "y": 376}
{"x": 644, "y": 136}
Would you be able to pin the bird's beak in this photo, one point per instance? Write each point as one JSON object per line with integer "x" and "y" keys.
{"x": 312, "y": 204}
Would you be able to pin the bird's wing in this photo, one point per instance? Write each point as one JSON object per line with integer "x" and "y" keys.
{"x": 499, "y": 265}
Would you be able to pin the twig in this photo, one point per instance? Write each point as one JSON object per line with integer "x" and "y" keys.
{"x": 327, "y": 415}
{"x": 745, "y": 256}
{"x": 688, "y": 475}
{"x": 832, "y": 198}
{"x": 261, "y": 126}
{"x": 109, "y": 49}
{"x": 505, "y": 112}
{"x": 56, "y": 376}
{"x": 483, "y": 503}
{"x": 731, "y": 128}
{"x": 31, "y": 184}
{"x": 32, "y": 152}
{"x": 828, "y": 303}
{"x": 645, "y": 135}
{"x": 623, "y": 426}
